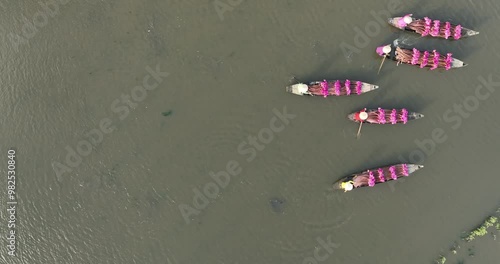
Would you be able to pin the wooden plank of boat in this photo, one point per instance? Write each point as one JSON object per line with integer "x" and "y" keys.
{"x": 433, "y": 28}
{"x": 372, "y": 177}
{"x": 423, "y": 59}
{"x": 384, "y": 116}
{"x": 327, "y": 88}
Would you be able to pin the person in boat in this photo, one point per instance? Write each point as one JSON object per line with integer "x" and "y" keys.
{"x": 355, "y": 182}
{"x": 363, "y": 116}
{"x": 384, "y": 50}
{"x": 404, "y": 22}
{"x": 347, "y": 186}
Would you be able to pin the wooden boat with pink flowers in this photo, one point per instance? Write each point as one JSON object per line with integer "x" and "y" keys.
{"x": 372, "y": 177}
{"x": 433, "y": 28}
{"x": 384, "y": 116}
{"x": 328, "y": 88}
{"x": 423, "y": 59}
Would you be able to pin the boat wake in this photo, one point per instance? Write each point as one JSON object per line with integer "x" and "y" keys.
{"x": 406, "y": 41}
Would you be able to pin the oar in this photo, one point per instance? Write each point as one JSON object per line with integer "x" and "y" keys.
{"x": 381, "y": 64}
{"x": 359, "y": 130}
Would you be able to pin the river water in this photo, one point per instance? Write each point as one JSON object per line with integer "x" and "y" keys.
{"x": 120, "y": 112}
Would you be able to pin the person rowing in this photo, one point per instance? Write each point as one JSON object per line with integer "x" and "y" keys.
{"x": 361, "y": 116}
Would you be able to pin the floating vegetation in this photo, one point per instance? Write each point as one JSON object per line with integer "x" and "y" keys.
{"x": 455, "y": 248}
{"x": 489, "y": 225}
{"x": 482, "y": 230}
{"x": 441, "y": 260}
{"x": 167, "y": 113}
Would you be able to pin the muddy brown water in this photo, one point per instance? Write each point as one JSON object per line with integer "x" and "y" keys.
{"x": 79, "y": 76}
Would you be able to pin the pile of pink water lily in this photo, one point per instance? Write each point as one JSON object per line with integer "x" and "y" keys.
{"x": 372, "y": 180}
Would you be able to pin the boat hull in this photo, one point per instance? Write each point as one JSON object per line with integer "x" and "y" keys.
{"x": 416, "y": 27}
{"x": 327, "y": 88}
{"x": 423, "y": 59}
{"x": 373, "y": 177}
{"x": 385, "y": 116}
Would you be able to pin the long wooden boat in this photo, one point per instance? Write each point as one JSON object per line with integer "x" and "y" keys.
{"x": 327, "y": 88}
{"x": 376, "y": 176}
{"x": 423, "y": 59}
{"x": 384, "y": 116}
{"x": 433, "y": 28}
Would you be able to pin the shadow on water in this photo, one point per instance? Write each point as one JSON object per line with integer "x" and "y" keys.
{"x": 277, "y": 205}
{"x": 414, "y": 103}
{"x": 455, "y": 14}
{"x": 376, "y": 160}
{"x": 363, "y": 76}
{"x": 322, "y": 71}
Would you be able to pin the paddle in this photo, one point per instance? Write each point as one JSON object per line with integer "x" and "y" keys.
{"x": 381, "y": 64}
{"x": 363, "y": 115}
{"x": 359, "y": 130}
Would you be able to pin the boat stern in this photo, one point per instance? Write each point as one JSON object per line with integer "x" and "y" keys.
{"x": 337, "y": 185}
{"x": 400, "y": 22}
{"x": 343, "y": 185}
{"x": 352, "y": 117}
{"x": 298, "y": 89}
{"x": 392, "y": 21}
